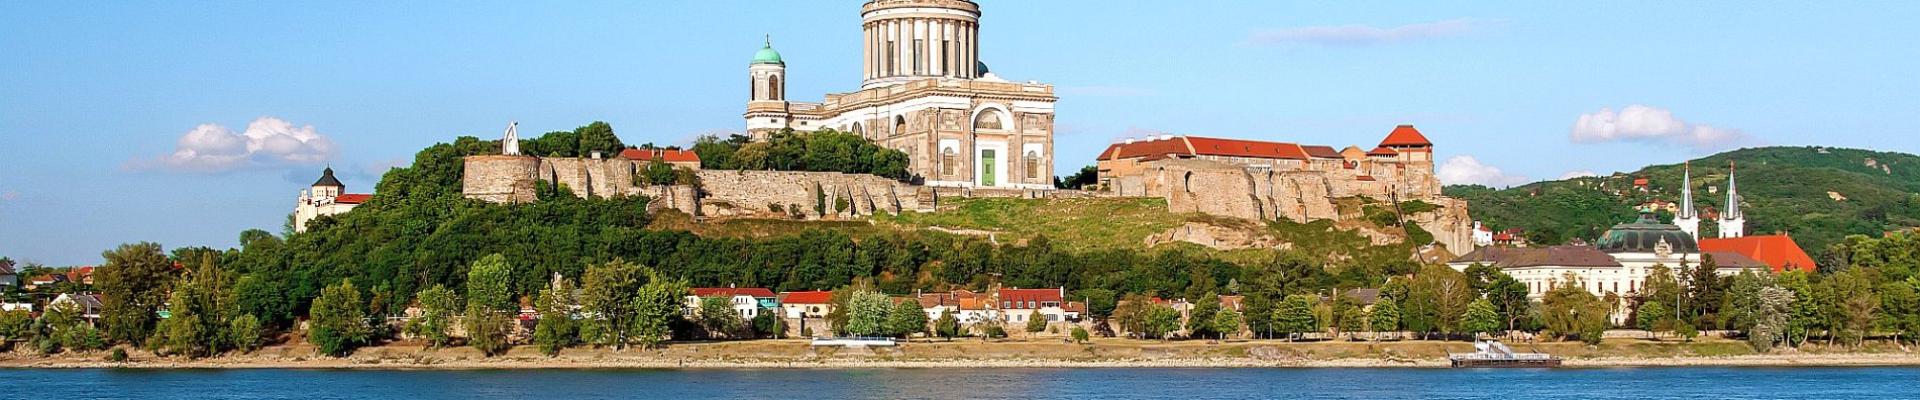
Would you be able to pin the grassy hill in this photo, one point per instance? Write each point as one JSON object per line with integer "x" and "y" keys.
{"x": 1818, "y": 195}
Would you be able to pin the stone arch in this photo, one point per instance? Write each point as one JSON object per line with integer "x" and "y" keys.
{"x": 899, "y": 125}
{"x": 1031, "y": 163}
{"x": 857, "y": 130}
{"x": 773, "y": 87}
{"x": 1186, "y": 182}
{"x": 991, "y": 113}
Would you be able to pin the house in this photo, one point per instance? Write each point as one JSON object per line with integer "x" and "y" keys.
{"x": 84, "y": 275}
{"x": 967, "y": 306}
{"x": 45, "y": 279}
{"x": 7, "y": 275}
{"x": 90, "y": 305}
{"x": 1016, "y": 305}
{"x": 747, "y": 301}
{"x": 806, "y": 311}
{"x": 1482, "y": 236}
{"x": 1778, "y": 252}
{"x": 1513, "y": 237}
{"x": 675, "y": 157}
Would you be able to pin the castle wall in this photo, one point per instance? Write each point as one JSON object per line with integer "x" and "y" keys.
{"x": 1233, "y": 190}
{"x": 761, "y": 193}
{"x": 500, "y": 179}
{"x": 589, "y": 177}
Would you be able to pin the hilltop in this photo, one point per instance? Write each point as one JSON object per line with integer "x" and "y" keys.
{"x": 1817, "y": 195}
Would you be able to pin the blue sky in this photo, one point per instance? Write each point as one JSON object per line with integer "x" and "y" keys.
{"x": 98, "y": 100}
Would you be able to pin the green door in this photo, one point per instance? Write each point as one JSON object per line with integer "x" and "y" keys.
{"x": 986, "y": 167}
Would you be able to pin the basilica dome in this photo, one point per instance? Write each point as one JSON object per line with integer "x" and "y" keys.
{"x": 1645, "y": 236}
{"x": 766, "y": 55}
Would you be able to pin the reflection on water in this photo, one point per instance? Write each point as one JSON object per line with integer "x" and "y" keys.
{"x": 971, "y": 383}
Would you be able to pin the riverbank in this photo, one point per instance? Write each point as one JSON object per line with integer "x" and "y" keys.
{"x": 1104, "y": 353}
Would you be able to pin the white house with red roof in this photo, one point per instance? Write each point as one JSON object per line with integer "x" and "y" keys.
{"x": 327, "y": 197}
{"x": 1016, "y": 305}
{"x": 748, "y": 301}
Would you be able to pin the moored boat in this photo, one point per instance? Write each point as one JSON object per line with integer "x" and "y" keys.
{"x": 1493, "y": 354}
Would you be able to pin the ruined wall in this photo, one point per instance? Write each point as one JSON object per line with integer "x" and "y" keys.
{"x": 1232, "y": 190}
{"x": 726, "y": 193}
{"x": 602, "y": 177}
{"x": 500, "y": 179}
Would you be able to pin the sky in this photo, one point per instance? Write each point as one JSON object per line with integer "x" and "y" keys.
{"x": 184, "y": 123}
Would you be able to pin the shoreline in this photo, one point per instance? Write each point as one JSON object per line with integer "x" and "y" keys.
{"x": 793, "y": 355}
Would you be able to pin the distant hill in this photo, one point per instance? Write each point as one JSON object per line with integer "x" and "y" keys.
{"x": 1818, "y": 195}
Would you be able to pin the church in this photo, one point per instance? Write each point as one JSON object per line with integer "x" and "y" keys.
{"x": 924, "y": 92}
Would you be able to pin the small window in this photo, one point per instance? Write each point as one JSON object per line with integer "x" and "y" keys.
{"x": 1033, "y": 164}
{"x": 948, "y": 160}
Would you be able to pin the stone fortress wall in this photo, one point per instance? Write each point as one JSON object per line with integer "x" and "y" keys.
{"x": 1202, "y": 186}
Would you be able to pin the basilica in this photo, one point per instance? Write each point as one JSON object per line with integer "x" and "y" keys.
{"x": 924, "y": 92}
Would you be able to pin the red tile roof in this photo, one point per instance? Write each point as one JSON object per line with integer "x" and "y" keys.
{"x": 730, "y": 292}
{"x": 1196, "y": 145}
{"x": 664, "y": 154}
{"x": 1018, "y": 296}
{"x": 1778, "y": 251}
{"x": 808, "y": 297}
{"x": 1382, "y": 151}
{"x": 1321, "y": 151}
{"x": 1405, "y": 135}
{"x": 352, "y": 198}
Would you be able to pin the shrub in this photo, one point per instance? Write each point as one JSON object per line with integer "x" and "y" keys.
{"x": 119, "y": 355}
{"x": 1079, "y": 335}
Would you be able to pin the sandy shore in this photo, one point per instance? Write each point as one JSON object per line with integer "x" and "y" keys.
{"x": 1109, "y": 354}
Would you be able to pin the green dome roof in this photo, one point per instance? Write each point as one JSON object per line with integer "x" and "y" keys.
{"x": 1644, "y": 235}
{"x": 980, "y": 68}
{"x": 766, "y": 55}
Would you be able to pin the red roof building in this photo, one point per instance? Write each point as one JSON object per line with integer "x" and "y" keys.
{"x": 1404, "y": 136}
{"x": 807, "y": 297}
{"x": 668, "y": 155}
{"x": 353, "y": 198}
{"x": 730, "y": 292}
{"x": 1195, "y": 146}
{"x": 1030, "y": 298}
{"x": 1777, "y": 251}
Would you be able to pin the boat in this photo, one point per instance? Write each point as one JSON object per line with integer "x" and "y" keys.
{"x": 1494, "y": 354}
{"x": 855, "y": 341}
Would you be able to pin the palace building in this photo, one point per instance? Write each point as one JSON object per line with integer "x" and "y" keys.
{"x": 924, "y": 92}
{"x": 327, "y": 197}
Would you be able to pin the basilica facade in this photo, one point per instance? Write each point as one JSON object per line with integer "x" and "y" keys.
{"x": 924, "y": 92}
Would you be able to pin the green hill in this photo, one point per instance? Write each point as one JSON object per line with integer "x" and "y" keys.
{"x": 1818, "y": 195}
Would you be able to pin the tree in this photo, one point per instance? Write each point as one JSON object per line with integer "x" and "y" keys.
{"x": 1161, "y": 321}
{"x": 1509, "y": 297}
{"x": 1294, "y": 316}
{"x": 1481, "y": 317}
{"x": 1086, "y": 176}
{"x": 1705, "y": 291}
{"x": 1079, "y": 335}
{"x": 1856, "y": 303}
{"x": 1036, "y": 323}
{"x": 1200, "y": 319}
{"x": 1770, "y": 318}
{"x": 263, "y": 297}
{"x": 196, "y": 322}
{"x": 339, "y": 321}
{"x": 1570, "y": 311}
{"x": 245, "y": 333}
{"x": 62, "y": 327}
{"x": 1653, "y": 316}
{"x": 1900, "y": 308}
{"x": 718, "y": 317}
{"x": 947, "y": 326}
{"x": 1385, "y": 316}
{"x": 16, "y": 325}
{"x": 489, "y": 305}
{"x": 132, "y": 286}
{"x": 1225, "y": 322}
{"x": 907, "y": 319}
{"x": 610, "y": 296}
{"x": 867, "y": 313}
{"x": 438, "y": 307}
{"x": 1437, "y": 299}
{"x": 556, "y": 329}
{"x": 656, "y": 307}
{"x": 769, "y": 325}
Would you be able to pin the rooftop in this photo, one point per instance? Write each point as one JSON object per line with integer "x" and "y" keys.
{"x": 1778, "y": 251}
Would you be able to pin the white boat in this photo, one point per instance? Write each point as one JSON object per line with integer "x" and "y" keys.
{"x": 858, "y": 341}
{"x": 1493, "y": 354}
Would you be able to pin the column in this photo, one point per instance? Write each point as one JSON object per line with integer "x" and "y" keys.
{"x": 866, "y": 51}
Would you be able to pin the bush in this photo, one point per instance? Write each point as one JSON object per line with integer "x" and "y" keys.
{"x": 119, "y": 355}
{"x": 995, "y": 331}
{"x": 1079, "y": 335}
{"x": 245, "y": 333}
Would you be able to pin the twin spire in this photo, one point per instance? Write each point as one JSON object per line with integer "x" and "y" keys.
{"x": 1732, "y": 223}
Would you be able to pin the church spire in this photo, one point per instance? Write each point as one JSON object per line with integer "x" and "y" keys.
{"x": 1686, "y": 191}
{"x": 1733, "y": 195}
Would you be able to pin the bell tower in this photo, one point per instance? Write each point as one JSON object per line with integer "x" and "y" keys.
{"x": 767, "y": 110}
{"x": 1687, "y": 218}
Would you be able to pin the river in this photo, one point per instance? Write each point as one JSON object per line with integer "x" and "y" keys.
{"x": 1118, "y": 383}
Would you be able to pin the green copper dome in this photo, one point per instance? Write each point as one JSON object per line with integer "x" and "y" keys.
{"x": 1644, "y": 236}
{"x": 766, "y": 55}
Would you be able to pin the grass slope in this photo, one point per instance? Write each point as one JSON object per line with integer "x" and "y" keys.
{"x": 1786, "y": 189}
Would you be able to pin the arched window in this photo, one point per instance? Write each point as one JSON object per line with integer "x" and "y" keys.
{"x": 1032, "y": 164}
{"x": 773, "y": 87}
{"x": 899, "y": 125}
{"x": 988, "y": 119}
{"x": 948, "y": 159}
{"x": 857, "y": 131}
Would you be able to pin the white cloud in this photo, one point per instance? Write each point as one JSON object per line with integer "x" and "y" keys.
{"x": 1578, "y": 174}
{"x": 267, "y": 142}
{"x": 1466, "y": 170}
{"x": 1363, "y": 35}
{"x": 1640, "y": 123}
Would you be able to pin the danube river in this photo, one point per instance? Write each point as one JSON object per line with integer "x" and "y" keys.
{"x": 1122, "y": 383}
